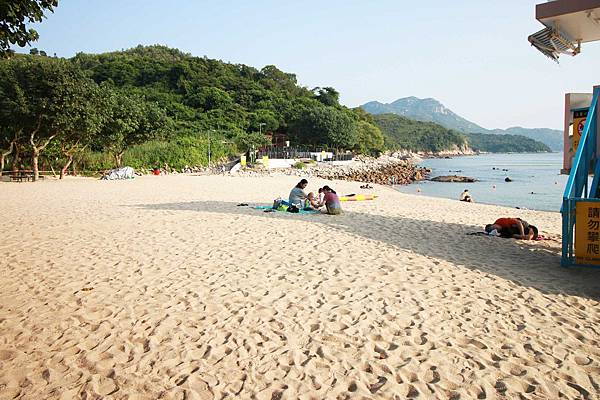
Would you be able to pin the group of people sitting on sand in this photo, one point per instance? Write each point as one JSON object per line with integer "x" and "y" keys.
{"x": 300, "y": 200}
{"x": 515, "y": 228}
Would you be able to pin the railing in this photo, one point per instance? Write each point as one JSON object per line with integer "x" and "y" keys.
{"x": 577, "y": 186}
{"x": 284, "y": 153}
{"x": 298, "y": 152}
{"x": 586, "y": 152}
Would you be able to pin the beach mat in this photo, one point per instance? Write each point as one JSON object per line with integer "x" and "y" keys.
{"x": 300, "y": 212}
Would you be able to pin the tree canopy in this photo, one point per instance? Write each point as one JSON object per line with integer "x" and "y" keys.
{"x": 153, "y": 104}
{"x": 14, "y": 17}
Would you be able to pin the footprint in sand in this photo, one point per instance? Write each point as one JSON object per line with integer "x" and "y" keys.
{"x": 7, "y": 355}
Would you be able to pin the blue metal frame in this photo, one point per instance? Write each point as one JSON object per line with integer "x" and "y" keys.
{"x": 577, "y": 186}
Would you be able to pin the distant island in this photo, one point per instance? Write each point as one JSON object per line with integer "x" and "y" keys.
{"x": 431, "y": 110}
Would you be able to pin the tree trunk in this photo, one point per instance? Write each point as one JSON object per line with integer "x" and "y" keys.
{"x": 37, "y": 150}
{"x": 119, "y": 159}
{"x": 64, "y": 169}
{"x": 16, "y": 159}
{"x": 3, "y": 155}
{"x": 34, "y": 162}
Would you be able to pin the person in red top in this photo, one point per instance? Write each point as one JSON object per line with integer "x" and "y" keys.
{"x": 513, "y": 227}
{"x": 331, "y": 201}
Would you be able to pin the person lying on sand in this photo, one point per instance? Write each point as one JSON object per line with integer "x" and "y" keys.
{"x": 331, "y": 201}
{"x": 515, "y": 228}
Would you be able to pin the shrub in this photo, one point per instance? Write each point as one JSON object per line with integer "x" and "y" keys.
{"x": 299, "y": 165}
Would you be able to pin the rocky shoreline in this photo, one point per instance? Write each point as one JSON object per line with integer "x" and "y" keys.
{"x": 384, "y": 170}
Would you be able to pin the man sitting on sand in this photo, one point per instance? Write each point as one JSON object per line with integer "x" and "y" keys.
{"x": 515, "y": 228}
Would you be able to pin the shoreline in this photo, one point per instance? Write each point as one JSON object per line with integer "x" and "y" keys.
{"x": 535, "y": 182}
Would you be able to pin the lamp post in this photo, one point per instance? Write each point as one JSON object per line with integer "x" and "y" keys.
{"x": 260, "y": 125}
{"x": 209, "y": 147}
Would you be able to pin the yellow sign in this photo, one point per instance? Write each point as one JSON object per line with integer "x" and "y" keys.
{"x": 266, "y": 161}
{"x": 243, "y": 161}
{"x": 579, "y": 118}
{"x": 587, "y": 232}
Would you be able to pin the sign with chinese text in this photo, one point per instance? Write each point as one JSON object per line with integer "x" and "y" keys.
{"x": 587, "y": 232}
{"x": 579, "y": 118}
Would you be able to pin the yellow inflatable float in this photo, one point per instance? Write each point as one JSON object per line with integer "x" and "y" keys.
{"x": 358, "y": 197}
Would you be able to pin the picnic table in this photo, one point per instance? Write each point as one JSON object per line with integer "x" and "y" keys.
{"x": 23, "y": 176}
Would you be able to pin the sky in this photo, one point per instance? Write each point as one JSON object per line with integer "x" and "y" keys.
{"x": 471, "y": 55}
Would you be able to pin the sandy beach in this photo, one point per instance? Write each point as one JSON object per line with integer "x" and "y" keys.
{"x": 162, "y": 287}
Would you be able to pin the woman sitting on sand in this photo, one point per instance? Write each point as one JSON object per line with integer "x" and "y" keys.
{"x": 331, "y": 201}
{"x": 298, "y": 195}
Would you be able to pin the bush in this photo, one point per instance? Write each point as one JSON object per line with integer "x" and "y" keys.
{"x": 299, "y": 165}
{"x": 182, "y": 151}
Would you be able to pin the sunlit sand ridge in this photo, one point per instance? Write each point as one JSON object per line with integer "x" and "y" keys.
{"x": 162, "y": 287}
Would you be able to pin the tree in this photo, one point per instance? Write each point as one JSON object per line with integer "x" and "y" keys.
{"x": 132, "y": 121}
{"x": 14, "y": 16}
{"x": 326, "y": 126}
{"x": 327, "y": 95}
{"x": 369, "y": 138}
{"x": 249, "y": 141}
{"x": 87, "y": 118}
{"x": 8, "y": 142}
{"x": 263, "y": 121}
{"x": 40, "y": 97}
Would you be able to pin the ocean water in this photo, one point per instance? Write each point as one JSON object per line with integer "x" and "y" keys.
{"x": 537, "y": 183}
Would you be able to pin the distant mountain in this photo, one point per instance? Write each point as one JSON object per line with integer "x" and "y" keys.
{"x": 431, "y": 110}
{"x": 428, "y": 110}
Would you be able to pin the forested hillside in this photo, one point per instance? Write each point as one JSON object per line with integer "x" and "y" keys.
{"x": 153, "y": 105}
{"x": 503, "y": 143}
{"x": 404, "y": 133}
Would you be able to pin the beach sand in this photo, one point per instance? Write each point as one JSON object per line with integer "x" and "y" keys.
{"x": 161, "y": 287}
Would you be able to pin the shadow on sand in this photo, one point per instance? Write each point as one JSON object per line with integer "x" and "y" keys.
{"x": 528, "y": 264}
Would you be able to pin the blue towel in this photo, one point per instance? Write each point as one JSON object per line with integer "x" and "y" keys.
{"x": 301, "y": 211}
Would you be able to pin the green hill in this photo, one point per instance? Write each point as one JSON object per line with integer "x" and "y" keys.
{"x": 404, "y": 133}
{"x": 153, "y": 105}
{"x": 503, "y": 143}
